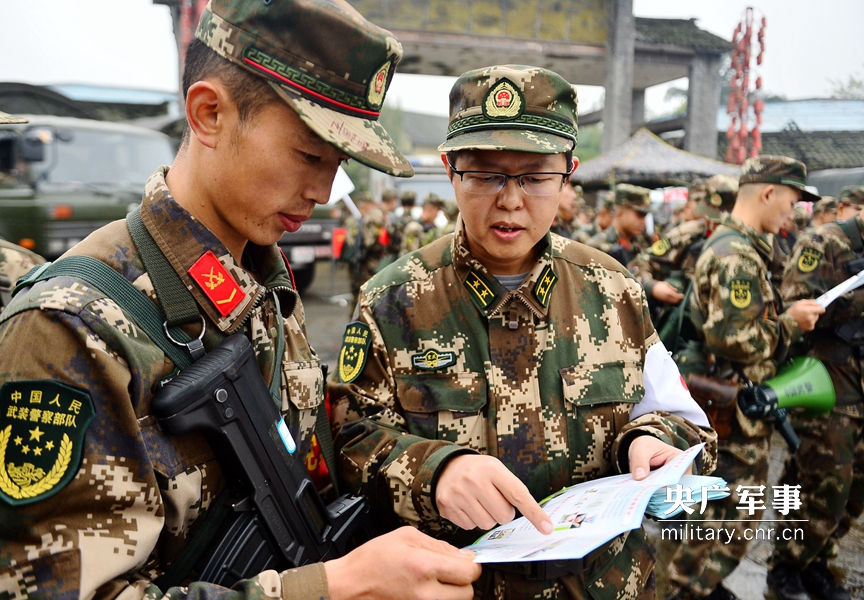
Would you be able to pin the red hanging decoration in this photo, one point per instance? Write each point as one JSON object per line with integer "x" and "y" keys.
{"x": 744, "y": 141}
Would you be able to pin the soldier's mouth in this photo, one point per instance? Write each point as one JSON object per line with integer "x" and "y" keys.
{"x": 507, "y": 229}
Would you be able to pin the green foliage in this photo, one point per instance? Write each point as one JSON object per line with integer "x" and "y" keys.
{"x": 853, "y": 89}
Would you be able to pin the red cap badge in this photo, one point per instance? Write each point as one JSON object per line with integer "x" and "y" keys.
{"x": 216, "y": 283}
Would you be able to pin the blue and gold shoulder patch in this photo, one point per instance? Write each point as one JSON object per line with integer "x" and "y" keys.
{"x": 479, "y": 288}
{"x": 544, "y": 285}
{"x": 42, "y": 427}
{"x": 355, "y": 351}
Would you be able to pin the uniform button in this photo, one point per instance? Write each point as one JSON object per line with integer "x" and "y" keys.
{"x": 272, "y": 332}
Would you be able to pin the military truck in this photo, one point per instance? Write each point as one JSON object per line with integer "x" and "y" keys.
{"x": 61, "y": 178}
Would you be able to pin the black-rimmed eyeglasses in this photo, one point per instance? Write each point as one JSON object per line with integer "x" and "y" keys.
{"x": 533, "y": 184}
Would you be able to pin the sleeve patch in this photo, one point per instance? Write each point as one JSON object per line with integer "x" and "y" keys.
{"x": 355, "y": 351}
{"x": 741, "y": 292}
{"x": 42, "y": 428}
{"x": 809, "y": 260}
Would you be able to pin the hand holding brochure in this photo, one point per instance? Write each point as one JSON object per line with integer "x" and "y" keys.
{"x": 590, "y": 514}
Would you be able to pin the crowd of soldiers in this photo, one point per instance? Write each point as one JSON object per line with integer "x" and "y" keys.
{"x": 738, "y": 291}
{"x": 493, "y": 363}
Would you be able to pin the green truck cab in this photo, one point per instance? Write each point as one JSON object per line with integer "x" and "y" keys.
{"x": 61, "y": 178}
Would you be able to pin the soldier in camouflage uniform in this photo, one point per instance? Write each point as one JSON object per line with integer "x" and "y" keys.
{"x": 626, "y": 238}
{"x": 95, "y": 499}
{"x": 564, "y": 219}
{"x": 826, "y": 467}
{"x": 666, "y": 268}
{"x": 367, "y": 241}
{"x": 602, "y": 220}
{"x": 825, "y": 211}
{"x": 746, "y": 335}
{"x": 502, "y": 362}
{"x": 422, "y": 231}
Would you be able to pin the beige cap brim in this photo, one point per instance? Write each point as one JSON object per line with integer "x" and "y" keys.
{"x": 7, "y": 119}
{"x": 520, "y": 140}
{"x": 362, "y": 139}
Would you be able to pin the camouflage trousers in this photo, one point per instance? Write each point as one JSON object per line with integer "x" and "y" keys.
{"x": 829, "y": 467}
{"x": 702, "y": 561}
{"x": 624, "y": 572}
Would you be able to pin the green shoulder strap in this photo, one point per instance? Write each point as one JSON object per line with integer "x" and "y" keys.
{"x": 850, "y": 227}
{"x": 143, "y": 312}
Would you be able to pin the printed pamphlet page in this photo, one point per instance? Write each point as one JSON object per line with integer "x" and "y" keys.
{"x": 586, "y": 516}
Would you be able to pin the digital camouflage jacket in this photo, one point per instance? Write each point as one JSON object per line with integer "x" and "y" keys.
{"x": 15, "y": 261}
{"x": 670, "y": 257}
{"x": 818, "y": 263}
{"x": 444, "y": 360}
{"x": 735, "y": 305}
{"x": 95, "y": 499}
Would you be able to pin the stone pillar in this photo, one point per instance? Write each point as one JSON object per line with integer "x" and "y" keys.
{"x": 620, "y": 48}
{"x": 638, "y": 118}
{"x": 703, "y": 101}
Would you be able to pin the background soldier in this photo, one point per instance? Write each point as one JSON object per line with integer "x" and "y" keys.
{"x": 602, "y": 220}
{"x": 103, "y": 501}
{"x": 747, "y": 335}
{"x": 625, "y": 238}
{"x": 564, "y": 224}
{"x": 666, "y": 268}
{"x": 829, "y": 466}
{"x": 367, "y": 241}
{"x": 459, "y": 411}
{"x": 420, "y": 232}
{"x": 825, "y": 211}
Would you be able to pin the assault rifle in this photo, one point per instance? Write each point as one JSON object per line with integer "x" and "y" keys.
{"x": 276, "y": 520}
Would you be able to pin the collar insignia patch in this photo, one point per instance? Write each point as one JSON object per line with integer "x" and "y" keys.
{"x": 809, "y": 260}
{"x": 740, "y": 292}
{"x": 42, "y": 427}
{"x": 432, "y": 360}
{"x": 355, "y": 351}
{"x": 216, "y": 283}
{"x": 544, "y": 286}
{"x": 661, "y": 247}
{"x": 478, "y": 288}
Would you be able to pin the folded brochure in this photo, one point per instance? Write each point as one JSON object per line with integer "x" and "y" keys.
{"x": 588, "y": 515}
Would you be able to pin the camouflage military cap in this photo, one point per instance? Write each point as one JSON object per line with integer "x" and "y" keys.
{"x": 324, "y": 60}
{"x": 801, "y": 218}
{"x": 633, "y": 196}
{"x": 408, "y": 197}
{"x": 512, "y": 107}
{"x": 434, "y": 200}
{"x": 578, "y": 189}
{"x": 389, "y": 194}
{"x": 826, "y": 204}
{"x": 718, "y": 197}
{"x": 696, "y": 191}
{"x": 606, "y": 199}
{"x": 363, "y": 198}
{"x": 7, "y": 119}
{"x": 852, "y": 194}
{"x": 778, "y": 170}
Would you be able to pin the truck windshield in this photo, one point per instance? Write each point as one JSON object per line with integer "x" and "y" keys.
{"x": 100, "y": 158}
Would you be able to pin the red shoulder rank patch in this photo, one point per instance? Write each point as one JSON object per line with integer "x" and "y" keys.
{"x": 216, "y": 283}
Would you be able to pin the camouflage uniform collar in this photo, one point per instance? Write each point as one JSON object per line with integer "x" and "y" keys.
{"x": 489, "y": 295}
{"x": 184, "y": 240}
{"x": 762, "y": 243}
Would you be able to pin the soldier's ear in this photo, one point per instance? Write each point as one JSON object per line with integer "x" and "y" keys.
{"x": 767, "y": 193}
{"x": 207, "y": 102}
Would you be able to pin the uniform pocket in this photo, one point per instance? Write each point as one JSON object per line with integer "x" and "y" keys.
{"x": 445, "y": 406}
{"x": 617, "y": 381}
{"x": 305, "y": 383}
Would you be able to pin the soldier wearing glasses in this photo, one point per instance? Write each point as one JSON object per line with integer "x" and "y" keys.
{"x": 502, "y": 362}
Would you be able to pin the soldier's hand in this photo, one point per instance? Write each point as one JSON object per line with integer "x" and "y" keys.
{"x": 666, "y": 292}
{"x": 805, "y": 313}
{"x": 479, "y": 491}
{"x": 403, "y": 565}
{"x": 647, "y": 452}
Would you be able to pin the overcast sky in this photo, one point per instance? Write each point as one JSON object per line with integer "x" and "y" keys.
{"x": 130, "y": 43}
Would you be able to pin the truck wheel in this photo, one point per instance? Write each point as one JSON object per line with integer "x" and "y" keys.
{"x": 303, "y": 277}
